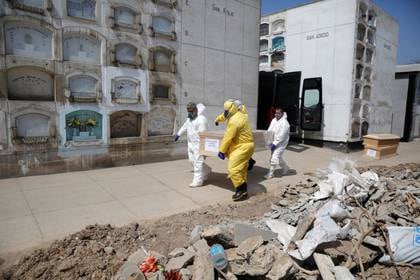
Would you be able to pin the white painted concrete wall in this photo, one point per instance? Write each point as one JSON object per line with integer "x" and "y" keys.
{"x": 383, "y": 75}
{"x": 219, "y": 55}
{"x": 320, "y": 41}
{"x": 399, "y": 103}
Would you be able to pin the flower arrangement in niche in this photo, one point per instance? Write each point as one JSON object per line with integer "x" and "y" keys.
{"x": 74, "y": 123}
{"x": 91, "y": 122}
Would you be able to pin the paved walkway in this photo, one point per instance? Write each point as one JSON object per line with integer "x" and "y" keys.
{"x": 39, "y": 209}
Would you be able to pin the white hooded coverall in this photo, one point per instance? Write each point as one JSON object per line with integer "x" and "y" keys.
{"x": 193, "y": 127}
{"x": 281, "y": 130}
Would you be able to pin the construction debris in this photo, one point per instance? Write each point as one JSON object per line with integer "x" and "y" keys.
{"x": 345, "y": 225}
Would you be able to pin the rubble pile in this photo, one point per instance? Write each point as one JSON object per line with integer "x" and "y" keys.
{"x": 336, "y": 228}
{"x": 345, "y": 224}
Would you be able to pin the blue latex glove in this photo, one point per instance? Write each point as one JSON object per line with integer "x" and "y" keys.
{"x": 272, "y": 147}
{"x": 176, "y": 138}
{"x": 221, "y": 155}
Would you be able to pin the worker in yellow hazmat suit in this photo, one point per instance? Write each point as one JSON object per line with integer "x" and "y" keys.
{"x": 221, "y": 118}
{"x": 238, "y": 146}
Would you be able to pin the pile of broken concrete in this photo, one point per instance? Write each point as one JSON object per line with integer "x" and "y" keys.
{"x": 337, "y": 228}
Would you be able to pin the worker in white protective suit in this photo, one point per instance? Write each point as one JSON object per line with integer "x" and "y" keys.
{"x": 281, "y": 129}
{"x": 195, "y": 123}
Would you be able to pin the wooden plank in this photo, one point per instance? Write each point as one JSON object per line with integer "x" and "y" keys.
{"x": 325, "y": 266}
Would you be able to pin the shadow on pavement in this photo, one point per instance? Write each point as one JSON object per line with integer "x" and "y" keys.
{"x": 255, "y": 177}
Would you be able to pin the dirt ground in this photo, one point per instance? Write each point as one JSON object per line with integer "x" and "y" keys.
{"x": 98, "y": 251}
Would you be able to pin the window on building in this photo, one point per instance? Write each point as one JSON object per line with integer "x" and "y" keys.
{"x": 30, "y": 41}
{"x": 355, "y": 129}
{"x": 161, "y": 92}
{"x": 372, "y": 18}
{"x": 356, "y": 108}
{"x": 369, "y": 55}
{"x": 83, "y": 126}
{"x": 36, "y": 6}
{"x": 277, "y": 44}
{"x": 277, "y": 59}
{"x": 263, "y": 59}
{"x": 367, "y": 74}
{"x": 32, "y": 125}
{"x": 161, "y": 122}
{"x": 169, "y": 3}
{"x": 361, "y": 31}
{"x": 83, "y": 88}
{"x": 360, "y": 51}
{"x": 359, "y": 71}
{"x": 366, "y": 93}
{"x": 264, "y": 29}
{"x": 125, "y": 91}
{"x": 365, "y": 111}
{"x": 125, "y": 54}
{"x": 24, "y": 83}
{"x": 81, "y": 8}
{"x": 371, "y": 36}
{"x": 278, "y": 26}
{"x": 357, "y": 89}
{"x": 125, "y": 124}
{"x": 362, "y": 11}
{"x": 162, "y": 25}
{"x": 124, "y": 16}
{"x": 162, "y": 60}
{"x": 263, "y": 45}
{"x": 81, "y": 48}
{"x": 365, "y": 128}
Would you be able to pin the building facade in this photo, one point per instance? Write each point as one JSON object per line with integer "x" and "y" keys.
{"x": 272, "y": 42}
{"x": 351, "y": 45}
{"x": 95, "y": 73}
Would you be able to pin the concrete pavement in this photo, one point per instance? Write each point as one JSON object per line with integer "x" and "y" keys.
{"x": 39, "y": 209}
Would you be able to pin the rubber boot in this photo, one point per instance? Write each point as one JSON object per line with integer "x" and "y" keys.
{"x": 251, "y": 163}
{"x": 241, "y": 193}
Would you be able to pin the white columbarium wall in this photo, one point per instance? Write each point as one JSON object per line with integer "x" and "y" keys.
{"x": 320, "y": 41}
{"x": 219, "y": 55}
{"x": 383, "y": 72}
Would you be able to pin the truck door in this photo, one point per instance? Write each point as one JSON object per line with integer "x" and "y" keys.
{"x": 278, "y": 89}
{"x": 311, "y": 107}
{"x": 287, "y": 97}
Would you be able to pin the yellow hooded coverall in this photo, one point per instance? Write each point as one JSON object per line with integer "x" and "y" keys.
{"x": 237, "y": 144}
{"x": 221, "y": 118}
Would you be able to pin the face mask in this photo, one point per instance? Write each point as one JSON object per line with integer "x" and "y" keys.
{"x": 226, "y": 114}
{"x": 192, "y": 115}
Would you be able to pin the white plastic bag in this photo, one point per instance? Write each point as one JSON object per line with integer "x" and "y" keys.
{"x": 335, "y": 209}
{"x": 325, "y": 230}
{"x": 405, "y": 245}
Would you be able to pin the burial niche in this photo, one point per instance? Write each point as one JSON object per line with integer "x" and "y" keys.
{"x": 30, "y": 41}
{"x": 30, "y": 84}
{"x": 81, "y": 48}
{"x": 125, "y": 124}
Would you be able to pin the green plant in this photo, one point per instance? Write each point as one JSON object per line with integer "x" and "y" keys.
{"x": 91, "y": 122}
{"x": 74, "y": 123}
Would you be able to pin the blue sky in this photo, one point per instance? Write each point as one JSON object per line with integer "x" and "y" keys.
{"x": 404, "y": 11}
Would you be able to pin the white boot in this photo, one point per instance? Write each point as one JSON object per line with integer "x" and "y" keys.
{"x": 196, "y": 184}
{"x": 270, "y": 173}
